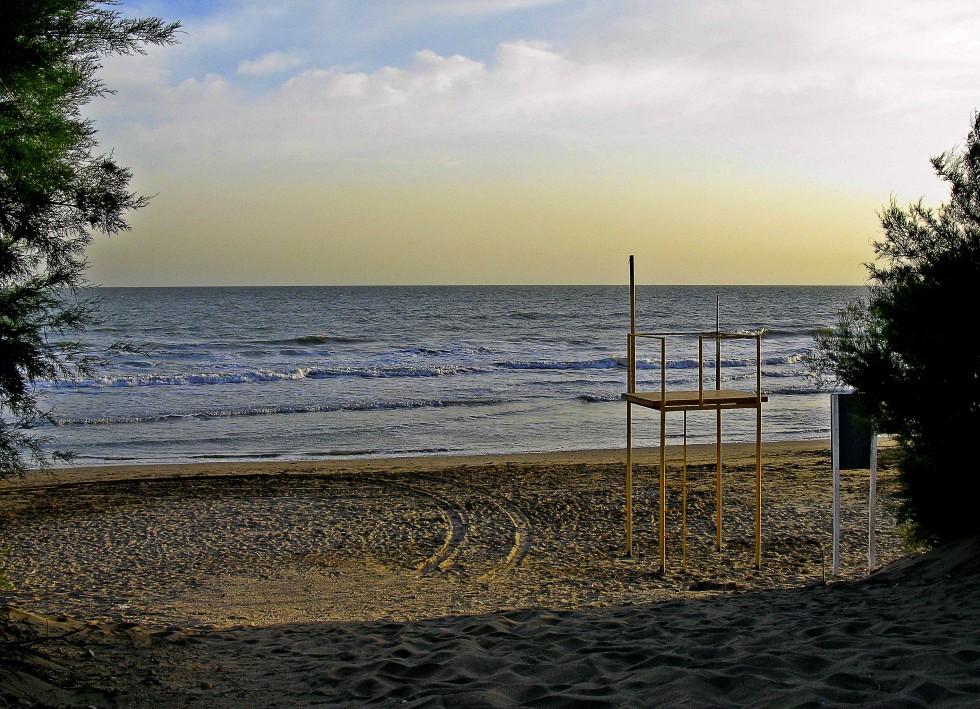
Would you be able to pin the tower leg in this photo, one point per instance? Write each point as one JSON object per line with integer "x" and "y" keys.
{"x": 718, "y": 481}
{"x": 663, "y": 490}
{"x": 684, "y": 500}
{"x": 758, "y": 487}
{"x": 629, "y": 478}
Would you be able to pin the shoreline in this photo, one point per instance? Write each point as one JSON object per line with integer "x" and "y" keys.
{"x": 699, "y": 453}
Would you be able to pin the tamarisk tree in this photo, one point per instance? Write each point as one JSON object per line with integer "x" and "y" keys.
{"x": 910, "y": 348}
{"x": 56, "y": 192}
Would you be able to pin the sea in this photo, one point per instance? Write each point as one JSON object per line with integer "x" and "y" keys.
{"x": 288, "y": 373}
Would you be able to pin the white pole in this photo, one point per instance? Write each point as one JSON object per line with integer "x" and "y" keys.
{"x": 872, "y": 502}
{"x": 835, "y": 458}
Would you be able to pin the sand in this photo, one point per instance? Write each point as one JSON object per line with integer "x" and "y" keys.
{"x": 483, "y": 581}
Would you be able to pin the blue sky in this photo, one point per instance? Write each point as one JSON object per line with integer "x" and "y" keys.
{"x": 363, "y": 36}
{"x": 519, "y": 141}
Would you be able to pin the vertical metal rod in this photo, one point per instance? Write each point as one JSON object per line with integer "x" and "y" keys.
{"x": 758, "y": 369}
{"x": 631, "y": 364}
{"x": 663, "y": 454}
{"x": 872, "y": 502}
{"x": 718, "y": 492}
{"x": 717, "y": 341}
{"x": 630, "y": 387}
{"x": 758, "y": 452}
{"x": 631, "y": 351}
{"x": 663, "y": 489}
{"x": 701, "y": 370}
{"x": 718, "y": 420}
{"x": 835, "y": 462}
{"x": 632, "y": 299}
{"x": 629, "y": 478}
{"x": 684, "y": 499}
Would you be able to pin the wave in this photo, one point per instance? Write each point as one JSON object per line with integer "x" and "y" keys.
{"x": 441, "y": 351}
{"x": 272, "y": 456}
{"x": 392, "y": 371}
{"x": 797, "y": 391}
{"x": 604, "y": 363}
{"x": 802, "y": 331}
{"x": 389, "y": 405}
{"x": 312, "y": 454}
{"x": 261, "y": 375}
{"x": 622, "y": 363}
{"x": 401, "y": 370}
{"x": 601, "y": 363}
{"x": 598, "y": 398}
{"x": 318, "y": 339}
{"x": 794, "y": 358}
{"x": 298, "y": 455}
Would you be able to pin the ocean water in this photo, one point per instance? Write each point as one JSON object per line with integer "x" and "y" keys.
{"x": 320, "y": 372}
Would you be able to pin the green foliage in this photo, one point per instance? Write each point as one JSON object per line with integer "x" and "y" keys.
{"x": 910, "y": 347}
{"x": 56, "y": 192}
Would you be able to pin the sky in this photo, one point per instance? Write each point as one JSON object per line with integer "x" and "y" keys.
{"x": 374, "y": 142}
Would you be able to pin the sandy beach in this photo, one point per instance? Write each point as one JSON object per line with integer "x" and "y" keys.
{"x": 482, "y": 581}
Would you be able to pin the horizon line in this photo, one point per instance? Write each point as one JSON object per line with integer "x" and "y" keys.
{"x": 492, "y": 285}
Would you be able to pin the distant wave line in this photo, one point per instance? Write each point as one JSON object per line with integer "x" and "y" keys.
{"x": 317, "y": 339}
{"x": 279, "y": 410}
{"x": 621, "y": 363}
{"x": 394, "y": 371}
{"x": 262, "y": 375}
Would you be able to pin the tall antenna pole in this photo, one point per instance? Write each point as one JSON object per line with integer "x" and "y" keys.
{"x": 630, "y": 387}
{"x": 632, "y": 299}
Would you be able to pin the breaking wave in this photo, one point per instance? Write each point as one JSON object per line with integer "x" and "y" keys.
{"x": 263, "y": 375}
{"x": 279, "y": 410}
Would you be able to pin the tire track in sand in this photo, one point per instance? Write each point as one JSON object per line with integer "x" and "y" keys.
{"x": 457, "y": 521}
{"x": 458, "y": 504}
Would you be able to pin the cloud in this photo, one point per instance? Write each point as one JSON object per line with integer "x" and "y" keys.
{"x": 845, "y": 90}
{"x": 353, "y": 130}
{"x": 271, "y": 63}
{"x": 474, "y": 7}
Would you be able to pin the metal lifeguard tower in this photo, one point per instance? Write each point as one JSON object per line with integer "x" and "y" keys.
{"x": 703, "y": 399}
